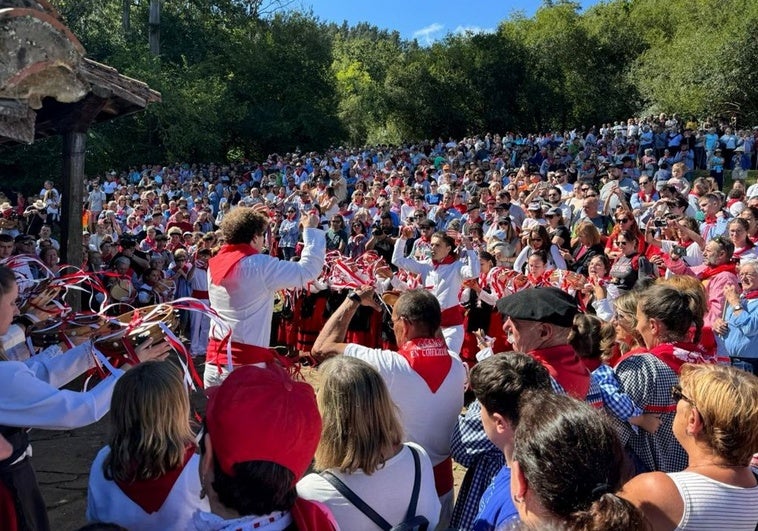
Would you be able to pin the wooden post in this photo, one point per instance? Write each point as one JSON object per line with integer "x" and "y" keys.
{"x": 155, "y": 27}
{"x": 74, "y": 144}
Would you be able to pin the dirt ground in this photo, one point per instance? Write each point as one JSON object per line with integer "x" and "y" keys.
{"x": 62, "y": 460}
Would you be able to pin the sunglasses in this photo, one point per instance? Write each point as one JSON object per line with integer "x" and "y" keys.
{"x": 642, "y": 183}
{"x": 677, "y": 395}
{"x": 621, "y": 242}
{"x": 535, "y": 239}
{"x": 622, "y": 220}
{"x": 590, "y": 195}
{"x": 584, "y": 189}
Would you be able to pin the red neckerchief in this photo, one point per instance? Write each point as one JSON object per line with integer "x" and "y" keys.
{"x": 539, "y": 281}
{"x": 566, "y": 368}
{"x": 311, "y": 516}
{"x": 674, "y": 355}
{"x": 711, "y": 220}
{"x": 429, "y": 358}
{"x": 712, "y": 271}
{"x": 150, "y": 494}
{"x": 227, "y": 257}
{"x": 449, "y": 259}
{"x": 750, "y": 295}
{"x": 737, "y": 254}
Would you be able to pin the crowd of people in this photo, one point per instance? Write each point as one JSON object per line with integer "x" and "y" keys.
{"x": 590, "y": 288}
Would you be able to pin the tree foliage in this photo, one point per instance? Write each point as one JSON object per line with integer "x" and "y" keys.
{"x": 247, "y": 76}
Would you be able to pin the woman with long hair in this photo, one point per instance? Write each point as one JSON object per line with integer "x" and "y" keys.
{"x": 744, "y": 248}
{"x": 716, "y": 424}
{"x": 665, "y": 318}
{"x": 567, "y": 464}
{"x": 356, "y": 242}
{"x": 146, "y": 478}
{"x": 589, "y": 244}
{"x": 625, "y": 220}
{"x": 362, "y": 447}
{"x": 30, "y": 398}
{"x": 538, "y": 239}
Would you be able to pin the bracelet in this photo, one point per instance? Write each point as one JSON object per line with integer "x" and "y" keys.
{"x": 353, "y": 296}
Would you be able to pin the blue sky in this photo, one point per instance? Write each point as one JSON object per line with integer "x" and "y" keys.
{"x": 425, "y": 20}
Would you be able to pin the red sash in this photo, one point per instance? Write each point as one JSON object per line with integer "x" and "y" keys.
{"x": 452, "y": 316}
{"x": 199, "y": 294}
{"x": 443, "y": 476}
{"x": 242, "y": 354}
{"x": 429, "y": 358}
{"x": 150, "y": 494}
{"x": 566, "y": 368}
{"x": 227, "y": 257}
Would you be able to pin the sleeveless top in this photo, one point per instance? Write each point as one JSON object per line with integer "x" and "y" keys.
{"x": 710, "y": 504}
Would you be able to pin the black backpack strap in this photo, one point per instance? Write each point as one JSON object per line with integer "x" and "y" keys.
{"x": 416, "y": 485}
{"x": 353, "y": 498}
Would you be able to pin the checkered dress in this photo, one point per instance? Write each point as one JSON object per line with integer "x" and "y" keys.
{"x": 648, "y": 381}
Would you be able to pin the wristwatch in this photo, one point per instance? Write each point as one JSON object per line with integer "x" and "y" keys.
{"x": 353, "y": 296}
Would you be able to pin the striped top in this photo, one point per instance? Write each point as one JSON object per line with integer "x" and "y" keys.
{"x": 712, "y": 505}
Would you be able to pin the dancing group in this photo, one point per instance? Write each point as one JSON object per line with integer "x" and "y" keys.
{"x": 597, "y": 353}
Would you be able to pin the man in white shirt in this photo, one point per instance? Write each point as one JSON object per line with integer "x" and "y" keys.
{"x": 424, "y": 378}
{"x": 242, "y": 283}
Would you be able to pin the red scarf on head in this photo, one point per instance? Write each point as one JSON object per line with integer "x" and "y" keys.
{"x": 227, "y": 257}
{"x": 712, "y": 271}
{"x": 566, "y": 368}
{"x": 429, "y": 358}
{"x": 150, "y": 494}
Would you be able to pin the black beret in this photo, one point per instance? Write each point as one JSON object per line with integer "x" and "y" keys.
{"x": 546, "y": 305}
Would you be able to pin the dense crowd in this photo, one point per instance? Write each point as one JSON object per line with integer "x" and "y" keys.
{"x": 614, "y": 258}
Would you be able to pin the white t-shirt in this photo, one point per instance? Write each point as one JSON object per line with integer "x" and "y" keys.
{"x": 428, "y": 418}
{"x": 387, "y": 491}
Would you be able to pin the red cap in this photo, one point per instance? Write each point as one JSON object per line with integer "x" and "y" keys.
{"x": 254, "y": 411}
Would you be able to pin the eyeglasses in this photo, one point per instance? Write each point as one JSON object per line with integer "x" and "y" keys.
{"x": 535, "y": 239}
{"x": 621, "y": 242}
{"x": 622, "y": 220}
{"x": 677, "y": 395}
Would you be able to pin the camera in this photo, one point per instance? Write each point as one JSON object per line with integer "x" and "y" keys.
{"x": 660, "y": 223}
{"x": 679, "y": 250}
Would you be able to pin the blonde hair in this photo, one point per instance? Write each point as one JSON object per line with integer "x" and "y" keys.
{"x": 727, "y": 400}
{"x": 150, "y": 426}
{"x": 361, "y": 427}
{"x": 627, "y": 303}
{"x": 588, "y": 229}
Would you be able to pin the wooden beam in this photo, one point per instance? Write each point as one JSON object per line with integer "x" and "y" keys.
{"x": 74, "y": 147}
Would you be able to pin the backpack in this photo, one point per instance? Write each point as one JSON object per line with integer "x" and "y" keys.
{"x": 412, "y": 521}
